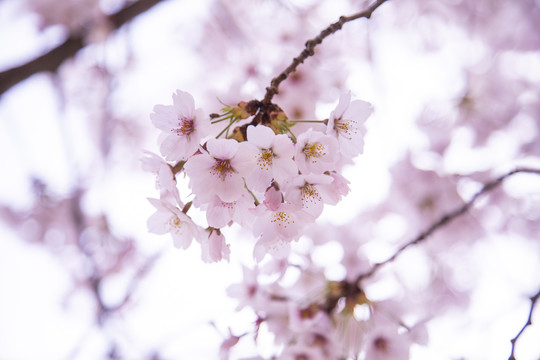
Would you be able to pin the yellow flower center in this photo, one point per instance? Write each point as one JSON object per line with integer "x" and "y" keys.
{"x": 310, "y": 194}
{"x": 314, "y": 150}
{"x": 185, "y": 126}
{"x": 175, "y": 224}
{"x": 345, "y": 127}
{"x": 222, "y": 168}
{"x": 282, "y": 219}
{"x": 265, "y": 159}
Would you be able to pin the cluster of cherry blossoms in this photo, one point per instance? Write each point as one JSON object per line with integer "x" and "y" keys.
{"x": 259, "y": 170}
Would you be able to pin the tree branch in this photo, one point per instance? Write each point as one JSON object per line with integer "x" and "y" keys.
{"x": 529, "y": 322}
{"x": 445, "y": 219}
{"x": 309, "y": 50}
{"x": 51, "y": 60}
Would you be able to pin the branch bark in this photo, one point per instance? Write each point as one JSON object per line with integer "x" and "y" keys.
{"x": 309, "y": 50}
{"x": 533, "y": 300}
{"x": 447, "y": 218}
{"x": 52, "y": 60}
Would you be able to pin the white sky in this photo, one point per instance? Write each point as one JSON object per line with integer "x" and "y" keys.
{"x": 182, "y": 295}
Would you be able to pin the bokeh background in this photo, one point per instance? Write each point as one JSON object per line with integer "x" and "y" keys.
{"x": 455, "y": 86}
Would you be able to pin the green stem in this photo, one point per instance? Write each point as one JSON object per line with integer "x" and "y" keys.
{"x": 253, "y": 195}
{"x": 306, "y": 121}
{"x": 292, "y": 134}
{"x": 226, "y": 128}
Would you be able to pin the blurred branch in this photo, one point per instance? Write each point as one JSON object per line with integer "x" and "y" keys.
{"x": 51, "y": 60}
{"x": 445, "y": 219}
{"x": 529, "y": 322}
{"x": 309, "y": 50}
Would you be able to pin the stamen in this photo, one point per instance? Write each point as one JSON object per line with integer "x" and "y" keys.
{"x": 345, "y": 127}
{"x": 175, "y": 224}
{"x": 265, "y": 159}
{"x": 310, "y": 194}
{"x": 282, "y": 219}
{"x": 228, "y": 205}
{"x": 222, "y": 168}
{"x": 314, "y": 150}
{"x": 185, "y": 126}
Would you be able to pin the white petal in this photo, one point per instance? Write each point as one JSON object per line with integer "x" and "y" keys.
{"x": 183, "y": 103}
{"x": 223, "y": 149}
{"x": 261, "y": 136}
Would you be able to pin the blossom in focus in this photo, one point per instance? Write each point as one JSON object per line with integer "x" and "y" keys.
{"x": 316, "y": 152}
{"x": 308, "y": 191}
{"x": 220, "y": 213}
{"x": 346, "y": 123}
{"x": 183, "y": 126}
{"x": 220, "y": 171}
{"x": 337, "y": 189}
{"x": 273, "y": 197}
{"x": 274, "y": 156}
{"x": 168, "y": 218}
{"x": 277, "y": 228}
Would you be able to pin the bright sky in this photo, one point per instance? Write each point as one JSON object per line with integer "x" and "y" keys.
{"x": 40, "y": 314}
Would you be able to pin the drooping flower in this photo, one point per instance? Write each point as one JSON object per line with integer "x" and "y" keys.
{"x": 273, "y": 197}
{"x": 165, "y": 181}
{"x": 338, "y": 188}
{"x": 346, "y": 123}
{"x": 170, "y": 219}
{"x": 220, "y": 213}
{"x": 183, "y": 126}
{"x": 214, "y": 248}
{"x": 220, "y": 170}
{"x": 277, "y": 228}
{"x": 307, "y": 191}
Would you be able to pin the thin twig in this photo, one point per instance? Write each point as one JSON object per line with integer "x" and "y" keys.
{"x": 51, "y": 60}
{"x": 309, "y": 50}
{"x": 529, "y": 322}
{"x": 445, "y": 219}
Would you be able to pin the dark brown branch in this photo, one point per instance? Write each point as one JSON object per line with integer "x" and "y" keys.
{"x": 309, "y": 50}
{"x": 51, "y": 60}
{"x": 529, "y": 322}
{"x": 445, "y": 219}
{"x": 131, "y": 11}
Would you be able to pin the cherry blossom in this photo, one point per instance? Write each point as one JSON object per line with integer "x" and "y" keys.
{"x": 214, "y": 247}
{"x": 385, "y": 342}
{"x": 337, "y": 189}
{"x": 183, "y": 126}
{"x": 220, "y": 170}
{"x": 248, "y": 292}
{"x": 220, "y": 213}
{"x": 165, "y": 181}
{"x": 277, "y": 228}
{"x": 256, "y": 176}
{"x": 316, "y": 152}
{"x": 274, "y": 156}
{"x": 170, "y": 219}
{"x": 273, "y": 197}
{"x": 346, "y": 122}
{"x": 309, "y": 192}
